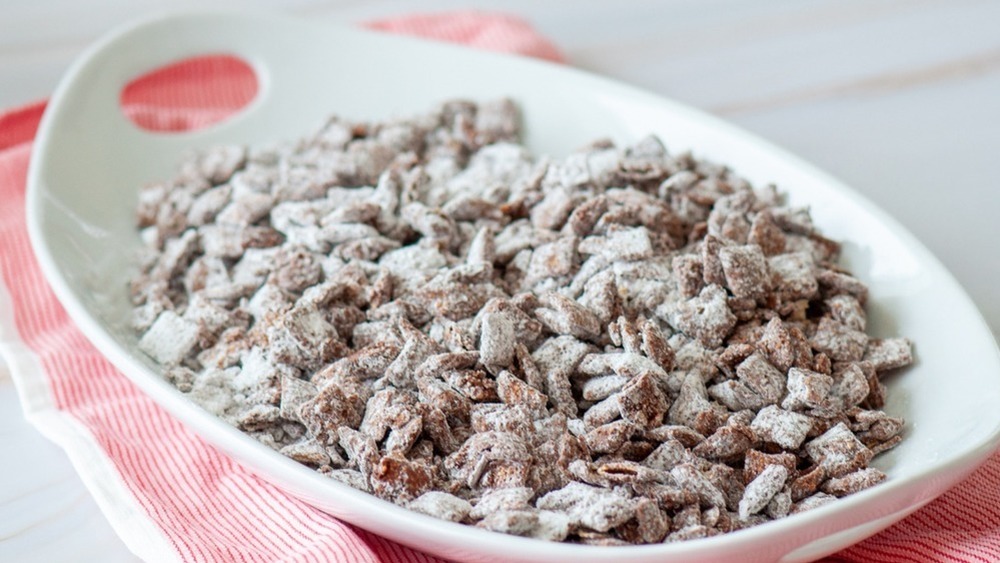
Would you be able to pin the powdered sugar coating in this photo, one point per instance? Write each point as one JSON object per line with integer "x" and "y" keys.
{"x": 621, "y": 346}
{"x": 762, "y": 489}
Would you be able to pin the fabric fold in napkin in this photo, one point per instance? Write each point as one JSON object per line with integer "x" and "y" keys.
{"x": 171, "y": 496}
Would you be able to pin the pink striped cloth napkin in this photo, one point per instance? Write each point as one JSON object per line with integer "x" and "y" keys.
{"x": 170, "y": 496}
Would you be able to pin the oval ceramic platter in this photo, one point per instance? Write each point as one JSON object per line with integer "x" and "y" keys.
{"x": 89, "y": 161}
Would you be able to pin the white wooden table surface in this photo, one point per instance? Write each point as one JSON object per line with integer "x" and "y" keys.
{"x": 900, "y": 99}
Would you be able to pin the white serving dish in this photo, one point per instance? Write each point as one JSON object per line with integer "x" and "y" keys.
{"x": 89, "y": 160}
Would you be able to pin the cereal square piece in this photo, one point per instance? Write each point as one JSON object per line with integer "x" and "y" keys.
{"x": 641, "y": 402}
{"x": 876, "y": 390}
{"x": 468, "y": 208}
{"x": 441, "y": 505}
{"x": 745, "y": 270}
{"x": 296, "y": 269}
{"x": 763, "y": 378}
{"x": 624, "y": 364}
{"x": 609, "y": 437}
{"x": 706, "y": 317}
{"x": 781, "y": 347}
{"x": 259, "y": 417}
{"x": 400, "y": 480}
{"x": 650, "y": 525}
{"x": 687, "y": 476}
{"x": 601, "y": 295}
{"x": 686, "y": 436}
{"x": 246, "y": 209}
{"x": 473, "y": 384}
{"x": 592, "y": 507}
{"x": 387, "y": 408}
{"x": 362, "y": 451}
{"x": 807, "y": 483}
{"x": 785, "y": 428}
{"x": 624, "y": 334}
{"x": 152, "y": 197}
{"x": 875, "y": 426}
{"x": 693, "y": 532}
{"x": 436, "y": 364}
{"x": 560, "y": 200}
{"x": 294, "y": 393}
{"x": 806, "y": 389}
{"x": 217, "y": 164}
{"x": 762, "y": 489}
{"x": 811, "y": 502}
{"x": 497, "y": 120}
{"x": 850, "y": 385}
{"x": 794, "y": 275}
{"x": 515, "y": 392}
{"x": 755, "y": 462}
{"x": 208, "y": 204}
{"x": 563, "y": 315}
{"x": 454, "y": 405}
{"x": 838, "y": 451}
{"x": 557, "y": 359}
{"x": 309, "y": 452}
{"x": 644, "y": 161}
{"x": 170, "y": 339}
{"x": 728, "y": 444}
{"x": 730, "y": 482}
{"x": 582, "y": 220}
{"x": 367, "y": 362}
{"x": 495, "y": 500}
{"x": 254, "y": 266}
{"x": 688, "y": 272}
{"x": 313, "y": 334}
{"x": 668, "y": 455}
{"x": 670, "y": 497}
{"x": 853, "y": 482}
{"x": 885, "y": 446}
{"x": 734, "y": 227}
{"x": 736, "y": 395}
{"x": 257, "y": 370}
{"x": 402, "y": 438}
{"x": 177, "y": 254}
{"x": 496, "y": 417}
{"x": 335, "y": 406}
{"x": 222, "y": 240}
{"x": 613, "y": 473}
{"x": 889, "y": 353}
{"x": 711, "y": 265}
{"x": 552, "y": 260}
{"x": 620, "y": 243}
{"x": 654, "y": 345}
{"x": 210, "y": 318}
{"x": 794, "y": 220}
{"x": 491, "y": 460}
{"x": 552, "y": 526}
{"x": 766, "y": 233}
{"x": 840, "y": 342}
{"x": 602, "y": 387}
{"x": 780, "y": 505}
{"x": 432, "y": 223}
{"x": 837, "y": 283}
{"x": 848, "y": 311}
{"x": 513, "y": 522}
{"x": 497, "y": 339}
{"x": 692, "y": 407}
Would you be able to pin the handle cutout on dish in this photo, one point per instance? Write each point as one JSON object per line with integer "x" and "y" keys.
{"x": 190, "y": 94}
